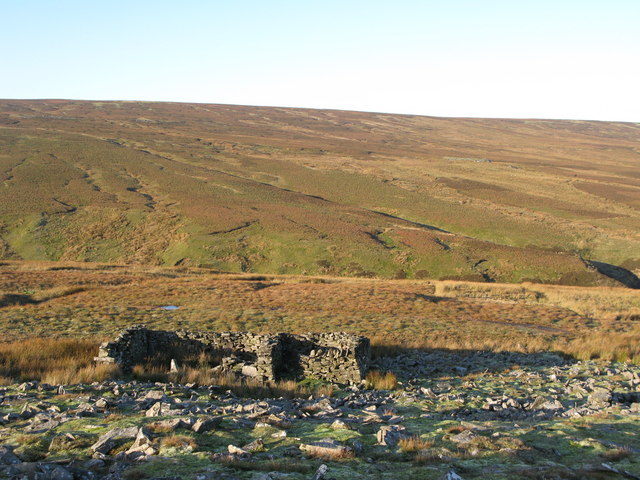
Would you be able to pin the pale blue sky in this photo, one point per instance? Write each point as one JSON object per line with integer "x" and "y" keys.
{"x": 516, "y": 58}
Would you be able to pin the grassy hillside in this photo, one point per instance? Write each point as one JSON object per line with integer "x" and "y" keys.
{"x": 293, "y": 191}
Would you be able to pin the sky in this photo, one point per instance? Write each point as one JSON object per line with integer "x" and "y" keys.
{"x": 457, "y": 58}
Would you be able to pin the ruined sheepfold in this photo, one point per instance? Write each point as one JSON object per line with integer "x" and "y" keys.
{"x": 335, "y": 357}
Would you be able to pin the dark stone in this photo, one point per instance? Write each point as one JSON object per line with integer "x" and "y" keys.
{"x": 336, "y": 357}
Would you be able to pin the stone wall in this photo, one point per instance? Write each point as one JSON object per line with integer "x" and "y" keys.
{"x": 335, "y": 357}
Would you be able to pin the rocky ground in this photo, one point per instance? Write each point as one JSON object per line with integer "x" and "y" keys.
{"x": 481, "y": 415}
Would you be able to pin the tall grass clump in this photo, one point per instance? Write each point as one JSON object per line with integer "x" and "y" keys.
{"x": 51, "y": 360}
{"x": 414, "y": 444}
{"x": 381, "y": 380}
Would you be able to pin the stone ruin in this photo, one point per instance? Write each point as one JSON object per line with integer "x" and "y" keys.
{"x": 335, "y": 357}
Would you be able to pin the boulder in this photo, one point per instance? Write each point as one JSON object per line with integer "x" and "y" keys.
{"x": 327, "y": 447}
{"x": 600, "y": 398}
{"x": 7, "y": 457}
{"x": 256, "y": 446}
{"x": 339, "y": 425}
{"x": 451, "y": 475}
{"x": 155, "y": 410}
{"x": 171, "y": 424}
{"x": 390, "y": 435}
{"x": 320, "y": 473}
{"x": 233, "y": 450}
{"x": 113, "y": 438}
{"x": 463, "y": 438}
{"x": 206, "y": 424}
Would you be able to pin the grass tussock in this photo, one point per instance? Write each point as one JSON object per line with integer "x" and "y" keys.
{"x": 414, "y": 444}
{"x": 381, "y": 380}
{"x": 432, "y": 455}
{"x": 179, "y": 441}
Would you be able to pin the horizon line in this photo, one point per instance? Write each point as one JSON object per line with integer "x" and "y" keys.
{"x": 374, "y": 112}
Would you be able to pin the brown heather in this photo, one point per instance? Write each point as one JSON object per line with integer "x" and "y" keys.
{"x": 311, "y": 192}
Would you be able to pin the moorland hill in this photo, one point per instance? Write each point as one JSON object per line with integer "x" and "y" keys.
{"x": 299, "y": 191}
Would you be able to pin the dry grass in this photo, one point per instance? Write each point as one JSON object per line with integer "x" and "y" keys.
{"x": 333, "y": 455}
{"x": 381, "y": 380}
{"x": 28, "y": 439}
{"x": 69, "y": 361}
{"x": 583, "y": 322}
{"x": 179, "y": 441}
{"x": 56, "y": 292}
{"x": 53, "y": 361}
{"x": 414, "y": 444}
{"x": 606, "y": 345}
{"x": 429, "y": 456}
{"x": 618, "y": 454}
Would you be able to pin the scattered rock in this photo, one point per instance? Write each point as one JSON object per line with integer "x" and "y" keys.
{"x": 155, "y": 410}
{"x": 340, "y": 425}
{"x": 141, "y": 446}
{"x": 7, "y": 457}
{"x": 232, "y": 449}
{"x": 93, "y": 464}
{"x": 320, "y": 473}
{"x": 60, "y": 473}
{"x": 171, "y": 424}
{"x": 112, "y": 438}
{"x": 600, "y": 398}
{"x": 206, "y": 424}
{"x": 256, "y": 446}
{"x": 463, "y": 438}
{"x": 451, "y": 475}
{"x": 328, "y": 448}
{"x": 390, "y": 435}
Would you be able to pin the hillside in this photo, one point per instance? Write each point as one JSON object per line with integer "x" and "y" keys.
{"x": 294, "y": 191}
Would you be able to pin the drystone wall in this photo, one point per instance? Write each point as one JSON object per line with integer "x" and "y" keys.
{"x": 336, "y": 357}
